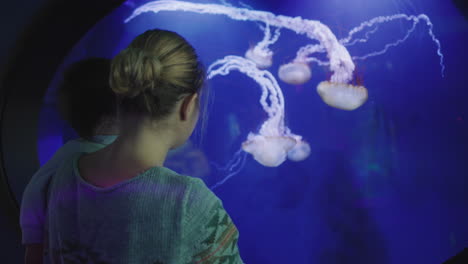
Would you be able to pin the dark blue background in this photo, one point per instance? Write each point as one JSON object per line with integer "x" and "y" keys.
{"x": 383, "y": 184}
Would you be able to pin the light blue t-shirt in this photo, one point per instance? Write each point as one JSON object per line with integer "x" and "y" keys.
{"x": 33, "y": 204}
{"x": 157, "y": 217}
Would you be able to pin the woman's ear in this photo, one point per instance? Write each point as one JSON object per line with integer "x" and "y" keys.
{"x": 189, "y": 104}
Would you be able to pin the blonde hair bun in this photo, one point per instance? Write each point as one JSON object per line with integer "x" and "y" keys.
{"x": 153, "y": 73}
{"x": 135, "y": 71}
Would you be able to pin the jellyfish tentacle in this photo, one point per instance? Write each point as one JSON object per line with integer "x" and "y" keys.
{"x": 383, "y": 19}
{"x": 233, "y": 168}
{"x": 271, "y": 145}
{"x": 346, "y": 43}
{"x": 388, "y": 45}
{"x": 340, "y": 61}
{"x": 260, "y": 53}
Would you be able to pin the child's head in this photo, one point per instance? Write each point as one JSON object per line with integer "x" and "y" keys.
{"x": 159, "y": 77}
{"x": 85, "y": 99}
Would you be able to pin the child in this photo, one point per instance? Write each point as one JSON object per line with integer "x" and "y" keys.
{"x": 87, "y": 102}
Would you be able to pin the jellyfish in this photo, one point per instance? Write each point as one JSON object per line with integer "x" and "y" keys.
{"x": 298, "y": 71}
{"x": 271, "y": 145}
{"x": 261, "y": 54}
{"x": 268, "y": 151}
{"x": 262, "y": 58}
{"x": 295, "y": 73}
{"x": 340, "y": 60}
{"x": 299, "y": 152}
{"x": 341, "y": 95}
{"x": 274, "y": 142}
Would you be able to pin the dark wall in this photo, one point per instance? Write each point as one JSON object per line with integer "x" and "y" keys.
{"x": 37, "y": 36}
{"x": 14, "y": 16}
{"x": 462, "y": 5}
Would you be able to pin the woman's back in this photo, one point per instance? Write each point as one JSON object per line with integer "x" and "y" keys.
{"x": 158, "y": 216}
{"x": 143, "y": 212}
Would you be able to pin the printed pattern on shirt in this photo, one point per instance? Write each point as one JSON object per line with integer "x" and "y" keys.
{"x": 220, "y": 244}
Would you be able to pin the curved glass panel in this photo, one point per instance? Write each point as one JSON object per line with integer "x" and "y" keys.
{"x": 330, "y": 142}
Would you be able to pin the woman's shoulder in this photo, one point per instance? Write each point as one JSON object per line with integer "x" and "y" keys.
{"x": 196, "y": 191}
{"x": 200, "y": 200}
{"x": 192, "y": 185}
{"x": 175, "y": 177}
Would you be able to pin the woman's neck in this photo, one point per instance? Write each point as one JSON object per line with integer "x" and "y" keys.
{"x": 141, "y": 148}
{"x": 137, "y": 149}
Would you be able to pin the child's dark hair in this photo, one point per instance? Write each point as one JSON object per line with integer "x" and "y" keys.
{"x": 85, "y": 98}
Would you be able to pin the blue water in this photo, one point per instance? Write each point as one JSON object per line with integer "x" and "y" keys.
{"x": 383, "y": 184}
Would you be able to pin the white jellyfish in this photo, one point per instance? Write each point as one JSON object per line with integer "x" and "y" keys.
{"x": 261, "y": 54}
{"x": 341, "y": 95}
{"x": 274, "y": 142}
{"x": 295, "y": 73}
{"x": 268, "y": 151}
{"x": 262, "y": 58}
{"x": 299, "y": 152}
{"x": 270, "y": 146}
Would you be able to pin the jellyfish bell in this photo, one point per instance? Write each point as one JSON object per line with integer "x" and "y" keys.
{"x": 299, "y": 152}
{"x": 341, "y": 95}
{"x": 295, "y": 73}
{"x": 263, "y": 59}
{"x": 270, "y": 151}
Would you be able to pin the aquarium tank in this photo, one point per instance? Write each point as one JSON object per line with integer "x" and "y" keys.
{"x": 335, "y": 131}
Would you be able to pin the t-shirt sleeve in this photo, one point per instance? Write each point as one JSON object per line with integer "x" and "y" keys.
{"x": 34, "y": 200}
{"x": 33, "y": 203}
{"x": 209, "y": 234}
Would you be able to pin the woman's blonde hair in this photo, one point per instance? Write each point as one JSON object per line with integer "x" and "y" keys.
{"x": 154, "y": 72}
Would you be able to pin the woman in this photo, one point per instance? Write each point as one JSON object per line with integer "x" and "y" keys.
{"x": 119, "y": 204}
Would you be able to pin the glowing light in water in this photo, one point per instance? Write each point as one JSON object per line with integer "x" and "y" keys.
{"x": 274, "y": 143}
